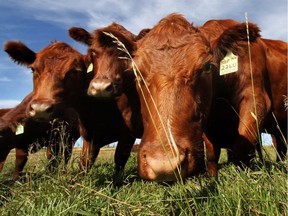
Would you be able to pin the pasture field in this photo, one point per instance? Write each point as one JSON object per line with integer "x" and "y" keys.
{"x": 261, "y": 191}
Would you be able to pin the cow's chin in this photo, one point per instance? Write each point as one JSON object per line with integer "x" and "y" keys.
{"x": 43, "y": 118}
{"x": 161, "y": 165}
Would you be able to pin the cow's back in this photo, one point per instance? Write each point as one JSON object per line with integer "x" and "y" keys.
{"x": 4, "y": 111}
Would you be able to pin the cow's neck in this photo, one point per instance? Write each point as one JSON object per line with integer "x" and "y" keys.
{"x": 134, "y": 103}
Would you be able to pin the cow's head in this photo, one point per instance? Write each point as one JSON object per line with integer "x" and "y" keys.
{"x": 109, "y": 63}
{"x": 58, "y": 76}
{"x": 177, "y": 66}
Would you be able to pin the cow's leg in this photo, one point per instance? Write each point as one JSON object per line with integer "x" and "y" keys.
{"x": 21, "y": 160}
{"x": 54, "y": 157}
{"x": 211, "y": 156}
{"x": 2, "y": 164}
{"x": 229, "y": 156}
{"x": 90, "y": 152}
{"x": 250, "y": 124}
{"x": 3, "y": 156}
{"x": 85, "y": 153}
{"x": 68, "y": 150}
{"x": 123, "y": 149}
{"x": 122, "y": 153}
{"x": 244, "y": 148}
{"x": 48, "y": 153}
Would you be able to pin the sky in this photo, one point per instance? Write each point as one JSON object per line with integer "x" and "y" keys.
{"x": 38, "y": 22}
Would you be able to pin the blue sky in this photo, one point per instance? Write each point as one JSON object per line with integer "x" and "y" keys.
{"x": 38, "y": 22}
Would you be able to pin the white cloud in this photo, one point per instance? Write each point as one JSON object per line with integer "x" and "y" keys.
{"x": 5, "y": 79}
{"x": 135, "y": 15}
{"x": 9, "y": 103}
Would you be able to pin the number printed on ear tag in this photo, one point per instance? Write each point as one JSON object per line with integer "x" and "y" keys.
{"x": 90, "y": 68}
{"x": 229, "y": 64}
{"x": 19, "y": 129}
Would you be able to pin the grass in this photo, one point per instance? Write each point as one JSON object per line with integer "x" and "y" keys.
{"x": 262, "y": 191}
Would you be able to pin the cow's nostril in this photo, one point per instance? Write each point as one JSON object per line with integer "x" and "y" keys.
{"x": 41, "y": 110}
{"x": 109, "y": 88}
{"x": 49, "y": 109}
{"x": 31, "y": 111}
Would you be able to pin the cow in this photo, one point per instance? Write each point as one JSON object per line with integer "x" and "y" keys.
{"x": 234, "y": 94}
{"x": 177, "y": 65}
{"x": 123, "y": 90}
{"x": 26, "y": 135}
{"x": 60, "y": 81}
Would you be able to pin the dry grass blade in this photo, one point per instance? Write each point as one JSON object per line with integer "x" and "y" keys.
{"x": 108, "y": 197}
{"x": 278, "y": 127}
{"x": 252, "y": 82}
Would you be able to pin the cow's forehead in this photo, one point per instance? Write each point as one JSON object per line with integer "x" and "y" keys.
{"x": 188, "y": 56}
{"x": 56, "y": 59}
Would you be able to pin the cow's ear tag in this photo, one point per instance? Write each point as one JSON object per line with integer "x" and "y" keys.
{"x": 90, "y": 68}
{"x": 229, "y": 64}
{"x": 19, "y": 129}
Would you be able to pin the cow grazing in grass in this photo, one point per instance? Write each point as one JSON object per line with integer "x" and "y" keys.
{"x": 177, "y": 65}
{"x": 234, "y": 122}
{"x": 61, "y": 80}
{"x": 26, "y": 135}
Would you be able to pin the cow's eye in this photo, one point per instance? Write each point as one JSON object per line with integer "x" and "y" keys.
{"x": 207, "y": 68}
{"x": 74, "y": 72}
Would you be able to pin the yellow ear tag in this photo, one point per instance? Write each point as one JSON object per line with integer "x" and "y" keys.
{"x": 229, "y": 64}
{"x": 19, "y": 129}
{"x": 90, "y": 68}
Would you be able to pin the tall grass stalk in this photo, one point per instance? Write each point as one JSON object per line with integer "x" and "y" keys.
{"x": 254, "y": 115}
{"x": 278, "y": 127}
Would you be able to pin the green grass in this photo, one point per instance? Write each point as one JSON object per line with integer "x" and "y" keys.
{"x": 262, "y": 191}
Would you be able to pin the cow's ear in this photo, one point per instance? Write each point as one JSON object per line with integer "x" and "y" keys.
{"x": 19, "y": 52}
{"x": 114, "y": 39}
{"x": 231, "y": 38}
{"x": 142, "y": 33}
{"x": 80, "y": 35}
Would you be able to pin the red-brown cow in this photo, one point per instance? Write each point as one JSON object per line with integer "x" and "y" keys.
{"x": 61, "y": 80}
{"x": 106, "y": 58}
{"x": 269, "y": 65}
{"x": 35, "y": 135}
{"x": 177, "y": 63}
